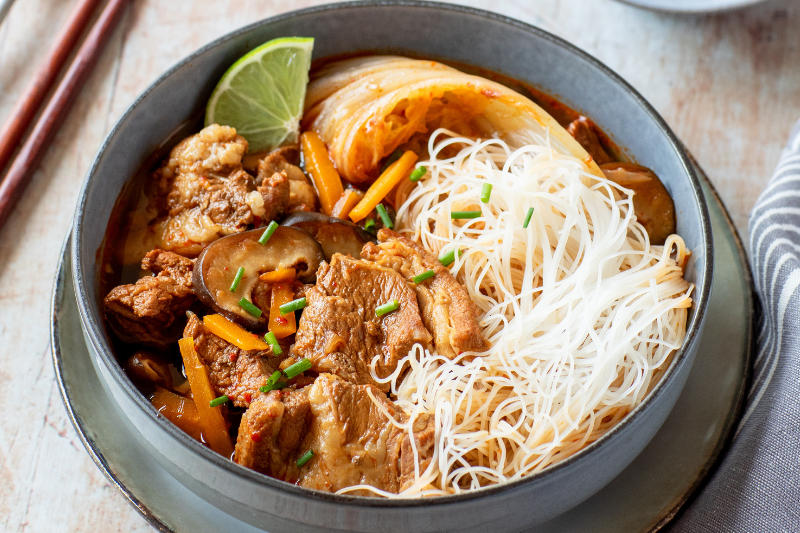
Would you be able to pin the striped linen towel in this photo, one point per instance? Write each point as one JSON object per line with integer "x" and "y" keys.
{"x": 757, "y": 486}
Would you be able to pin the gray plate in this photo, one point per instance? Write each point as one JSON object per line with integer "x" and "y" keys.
{"x": 643, "y": 498}
{"x": 691, "y": 6}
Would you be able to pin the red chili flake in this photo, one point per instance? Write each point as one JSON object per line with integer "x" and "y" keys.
{"x": 281, "y": 320}
{"x": 334, "y": 283}
{"x": 248, "y": 397}
{"x": 226, "y": 269}
{"x": 233, "y": 357}
{"x": 255, "y": 437}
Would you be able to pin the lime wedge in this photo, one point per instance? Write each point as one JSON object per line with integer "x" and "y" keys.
{"x": 263, "y": 93}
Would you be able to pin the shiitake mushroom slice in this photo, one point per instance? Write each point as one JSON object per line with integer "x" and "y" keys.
{"x": 652, "y": 204}
{"x": 334, "y": 234}
{"x": 217, "y": 266}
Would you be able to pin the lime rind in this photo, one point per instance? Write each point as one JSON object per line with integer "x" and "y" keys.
{"x": 262, "y": 94}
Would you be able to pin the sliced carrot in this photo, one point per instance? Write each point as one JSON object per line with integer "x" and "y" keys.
{"x": 346, "y": 203}
{"x": 276, "y": 276}
{"x": 281, "y": 326}
{"x": 215, "y": 430}
{"x": 323, "y": 173}
{"x": 233, "y": 333}
{"x": 178, "y": 410}
{"x": 383, "y": 185}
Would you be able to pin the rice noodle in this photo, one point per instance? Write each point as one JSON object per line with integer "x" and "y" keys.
{"x": 582, "y": 313}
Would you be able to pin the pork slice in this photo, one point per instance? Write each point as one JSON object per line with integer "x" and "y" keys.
{"x": 447, "y": 310}
{"x": 285, "y": 160}
{"x": 585, "y": 132}
{"x": 272, "y": 431}
{"x": 152, "y": 311}
{"x": 339, "y": 331}
{"x": 233, "y": 372}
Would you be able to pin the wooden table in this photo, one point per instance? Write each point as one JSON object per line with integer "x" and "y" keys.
{"x": 728, "y": 84}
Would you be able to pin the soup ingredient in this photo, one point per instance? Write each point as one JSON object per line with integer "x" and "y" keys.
{"x": 339, "y": 332}
{"x": 178, "y": 410}
{"x": 217, "y": 265}
{"x": 387, "y": 222}
{"x": 419, "y": 278}
{"x": 585, "y": 132}
{"x": 281, "y": 326}
{"x": 278, "y": 276}
{"x": 232, "y": 333}
{"x": 201, "y": 192}
{"x": 365, "y": 108}
{"x": 248, "y": 306}
{"x": 291, "y": 307}
{"x": 273, "y": 342}
{"x": 147, "y": 369}
{"x": 215, "y": 430}
{"x": 528, "y": 217}
{"x": 216, "y": 402}
{"x": 486, "y": 193}
{"x": 463, "y": 215}
{"x": 306, "y": 457}
{"x": 383, "y": 185}
{"x": 346, "y": 203}
{"x": 233, "y": 372}
{"x": 447, "y": 310}
{"x": 583, "y": 314}
{"x": 652, "y": 204}
{"x": 418, "y": 173}
{"x": 151, "y": 310}
{"x": 297, "y": 368}
{"x": 267, "y": 233}
{"x": 388, "y": 307}
{"x": 262, "y": 94}
{"x": 237, "y": 279}
{"x": 318, "y": 163}
{"x": 333, "y": 234}
{"x": 286, "y": 161}
{"x": 272, "y": 432}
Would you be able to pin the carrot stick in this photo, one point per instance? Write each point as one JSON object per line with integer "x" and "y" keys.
{"x": 277, "y": 276}
{"x": 383, "y": 185}
{"x": 178, "y": 410}
{"x": 281, "y": 326}
{"x": 346, "y": 203}
{"x": 215, "y": 430}
{"x": 233, "y": 333}
{"x": 323, "y": 173}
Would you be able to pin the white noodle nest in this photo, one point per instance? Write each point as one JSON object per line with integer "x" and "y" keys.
{"x": 582, "y": 312}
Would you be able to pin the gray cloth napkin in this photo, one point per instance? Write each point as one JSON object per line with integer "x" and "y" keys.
{"x": 757, "y": 486}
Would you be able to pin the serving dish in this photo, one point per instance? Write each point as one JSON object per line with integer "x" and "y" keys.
{"x": 432, "y": 30}
{"x": 672, "y": 466}
{"x": 691, "y": 6}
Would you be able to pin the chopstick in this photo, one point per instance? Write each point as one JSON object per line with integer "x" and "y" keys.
{"x": 26, "y": 160}
{"x": 23, "y": 113}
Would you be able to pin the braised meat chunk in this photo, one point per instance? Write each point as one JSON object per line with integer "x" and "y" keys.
{"x": 234, "y": 372}
{"x": 585, "y": 132}
{"x": 201, "y": 192}
{"x": 302, "y": 196}
{"x": 339, "y": 330}
{"x": 355, "y": 443}
{"x": 272, "y": 431}
{"x": 151, "y": 311}
{"x": 447, "y": 310}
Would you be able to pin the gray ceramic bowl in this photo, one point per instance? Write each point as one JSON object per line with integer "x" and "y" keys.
{"x": 442, "y": 31}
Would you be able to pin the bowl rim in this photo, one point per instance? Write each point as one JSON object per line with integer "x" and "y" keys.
{"x": 95, "y": 332}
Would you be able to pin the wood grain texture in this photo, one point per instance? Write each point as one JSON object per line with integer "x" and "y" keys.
{"x": 728, "y": 84}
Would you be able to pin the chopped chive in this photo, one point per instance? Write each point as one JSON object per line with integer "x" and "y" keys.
{"x": 448, "y": 258}
{"x": 369, "y": 225}
{"x": 528, "y": 217}
{"x": 248, "y": 306}
{"x": 268, "y": 233}
{"x": 306, "y": 457}
{"x": 419, "y": 278}
{"x": 274, "y": 386}
{"x": 486, "y": 193}
{"x": 237, "y": 279}
{"x": 458, "y": 215}
{"x": 387, "y": 222}
{"x": 294, "y": 305}
{"x": 298, "y": 368}
{"x": 273, "y": 341}
{"x": 218, "y": 401}
{"x": 418, "y": 173}
{"x": 387, "y": 308}
{"x": 392, "y": 158}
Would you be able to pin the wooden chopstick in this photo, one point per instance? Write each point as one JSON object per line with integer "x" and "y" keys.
{"x": 23, "y": 113}
{"x": 27, "y": 159}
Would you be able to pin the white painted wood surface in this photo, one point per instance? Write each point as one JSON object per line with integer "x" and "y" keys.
{"x": 728, "y": 84}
